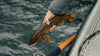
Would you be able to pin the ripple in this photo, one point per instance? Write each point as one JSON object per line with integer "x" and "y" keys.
{"x": 5, "y": 35}
{"x": 23, "y": 22}
{"x": 6, "y": 50}
{"x": 20, "y": 17}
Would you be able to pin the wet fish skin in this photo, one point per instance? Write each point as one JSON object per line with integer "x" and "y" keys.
{"x": 43, "y": 29}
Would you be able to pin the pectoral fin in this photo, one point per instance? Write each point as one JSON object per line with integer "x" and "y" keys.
{"x": 47, "y": 39}
{"x": 71, "y": 19}
{"x": 39, "y": 39}
{"x": 62, "y": 21}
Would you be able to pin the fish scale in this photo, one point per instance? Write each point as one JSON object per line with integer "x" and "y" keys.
{"x": 44, "y": 28}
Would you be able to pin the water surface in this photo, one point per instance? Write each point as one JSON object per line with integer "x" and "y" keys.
{"x": 20, "y": 18}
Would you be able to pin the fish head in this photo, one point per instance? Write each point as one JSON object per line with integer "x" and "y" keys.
{"x": 33, "y": 41}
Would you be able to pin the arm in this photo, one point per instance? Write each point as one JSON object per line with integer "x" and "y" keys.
{"x": 55, "y": 8}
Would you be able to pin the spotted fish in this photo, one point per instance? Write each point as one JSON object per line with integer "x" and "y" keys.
{"x": 44, "y": 29}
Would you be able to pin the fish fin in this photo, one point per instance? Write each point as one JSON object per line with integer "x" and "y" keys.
{"x": 39, "y": 39}
{"x": 47, "y": 39}
{"x": 70, "y": 17}
{"x": 62, "y": 21}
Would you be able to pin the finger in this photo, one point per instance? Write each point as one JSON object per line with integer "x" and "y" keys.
{"x": 52, "y": 28}
{"x": 43, "y": 21}
{"x": 33, "y": 54}
{"x": 47, "y": 22}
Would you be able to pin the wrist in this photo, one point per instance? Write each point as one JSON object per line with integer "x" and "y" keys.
{"x": 52, "y": 14}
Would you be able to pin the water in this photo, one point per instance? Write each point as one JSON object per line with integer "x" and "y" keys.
{"x": 20, "y": 18}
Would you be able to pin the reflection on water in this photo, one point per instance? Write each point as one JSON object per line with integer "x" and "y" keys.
{"x": 20, "y": 18}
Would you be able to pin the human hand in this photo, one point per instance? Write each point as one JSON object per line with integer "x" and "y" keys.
{"x": 49, "y": 16}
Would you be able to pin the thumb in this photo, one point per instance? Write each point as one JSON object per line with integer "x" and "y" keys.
{"x": 47, "y": 22}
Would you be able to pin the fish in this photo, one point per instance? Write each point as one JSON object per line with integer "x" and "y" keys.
{"x": 44, "y": 29}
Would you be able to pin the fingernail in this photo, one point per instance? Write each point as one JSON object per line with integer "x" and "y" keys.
{"x": 48, "y": 23}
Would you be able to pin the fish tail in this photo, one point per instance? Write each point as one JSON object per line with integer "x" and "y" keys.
{"x": 72, "y": 16}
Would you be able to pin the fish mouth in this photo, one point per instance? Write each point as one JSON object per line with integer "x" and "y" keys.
{"x": 33, "y": 44}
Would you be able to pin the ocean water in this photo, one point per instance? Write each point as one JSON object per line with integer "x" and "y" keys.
{"x": 20, "y": 18}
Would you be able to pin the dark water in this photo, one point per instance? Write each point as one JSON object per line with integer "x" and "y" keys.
{"x": 20, "y": 18}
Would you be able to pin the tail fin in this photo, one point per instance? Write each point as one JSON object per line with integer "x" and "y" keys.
{"x": 72, "y": 16}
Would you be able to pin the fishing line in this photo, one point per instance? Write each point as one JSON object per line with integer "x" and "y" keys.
{"x": 88, "y": 38}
